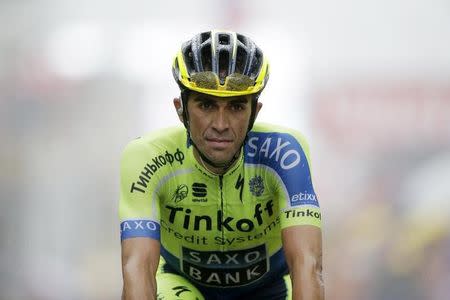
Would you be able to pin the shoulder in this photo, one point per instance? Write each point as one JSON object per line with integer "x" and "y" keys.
{"x": 284, "y": 152}
{"x": 160, "y": 142}
{"x": 161, "y": 139}
{"x": 266, "y": 133}
{"x": 274, "y": 130}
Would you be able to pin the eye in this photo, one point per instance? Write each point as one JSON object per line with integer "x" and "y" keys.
{"x": 205, "y": 105}
{"x": 238, "y": 106}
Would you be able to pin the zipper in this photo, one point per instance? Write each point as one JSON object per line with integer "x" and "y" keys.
{"x": 221, "y": 207}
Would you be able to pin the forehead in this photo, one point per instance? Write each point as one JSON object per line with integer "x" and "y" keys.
{"x": 210, "y": 98}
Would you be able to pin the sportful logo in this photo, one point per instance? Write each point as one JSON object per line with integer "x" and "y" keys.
{"x": 256, "y": 186}
{"x": 199, "y": 190}
{"x": 180, "y": 193}
{"x": 180, "y": 289}
{"x": 177, "y": 290}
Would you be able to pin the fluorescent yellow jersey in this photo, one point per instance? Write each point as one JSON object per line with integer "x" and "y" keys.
{"x": 220, "y": 232}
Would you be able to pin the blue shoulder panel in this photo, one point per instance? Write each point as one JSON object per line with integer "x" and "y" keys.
{"x": 282, "y": 153}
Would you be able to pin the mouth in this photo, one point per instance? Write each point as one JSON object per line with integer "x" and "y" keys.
{"x": 218, "y": 143}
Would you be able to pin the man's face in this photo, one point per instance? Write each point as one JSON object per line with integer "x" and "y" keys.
{"x": 218, "y": 125}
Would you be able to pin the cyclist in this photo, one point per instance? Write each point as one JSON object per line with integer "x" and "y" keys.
{"x": 222, "y": 208}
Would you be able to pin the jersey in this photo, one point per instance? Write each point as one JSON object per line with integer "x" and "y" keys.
{"x": 222, "y": 232}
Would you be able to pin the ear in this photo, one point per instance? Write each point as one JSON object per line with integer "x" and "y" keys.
{"x": 179, "y": 108}
{"x": 258, "y": 108}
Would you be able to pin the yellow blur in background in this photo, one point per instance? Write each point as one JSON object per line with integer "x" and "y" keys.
{"x": 367, "y": 82}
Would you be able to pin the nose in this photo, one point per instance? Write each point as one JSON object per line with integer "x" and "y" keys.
{"x": 220, "y": 120}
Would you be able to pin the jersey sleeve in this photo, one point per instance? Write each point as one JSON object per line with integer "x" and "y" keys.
{"x": 300, "y": 205}
{"x": 284, "y": 153}
{"x": 138, "y": 204}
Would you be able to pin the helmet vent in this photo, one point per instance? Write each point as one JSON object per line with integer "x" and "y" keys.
{"x": 205, "y": 36}
{"x": 189, "y": 58}
{"x": 206, "y": 58}
{"x": 224, "y": 39}
{"x": 241, "y": 58}
{"x": 241, "y": 39}
{"x": 256, "y": 63}
{"x": 223, "y": 65}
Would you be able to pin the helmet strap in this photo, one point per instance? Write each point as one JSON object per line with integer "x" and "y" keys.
{"x": 184, "y": 99}
{"x": 254, "y": 104}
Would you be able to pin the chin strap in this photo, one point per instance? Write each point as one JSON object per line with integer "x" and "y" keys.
{"x": 184, "y": 99}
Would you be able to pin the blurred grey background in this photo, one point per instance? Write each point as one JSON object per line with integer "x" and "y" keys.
{"x": 367, "y": 82}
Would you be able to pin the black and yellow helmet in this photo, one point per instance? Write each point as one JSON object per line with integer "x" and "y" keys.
{"x": 221, "y": 63}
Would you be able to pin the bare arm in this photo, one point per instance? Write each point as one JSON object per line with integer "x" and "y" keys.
{"x": 303, "y": 249}
{"x": 140, "y": 258}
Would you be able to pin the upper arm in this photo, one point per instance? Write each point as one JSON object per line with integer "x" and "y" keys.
{"x": 138, "y": 207}
{"x": 301, "y": 217}
{"x": 138, "y": 204}
{"x": 303, "y": 246}
{"x": 140, "y": 258}
{"x": 140, "y": 253}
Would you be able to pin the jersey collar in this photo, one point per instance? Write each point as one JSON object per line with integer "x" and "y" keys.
{"x": 237, "y": 164}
